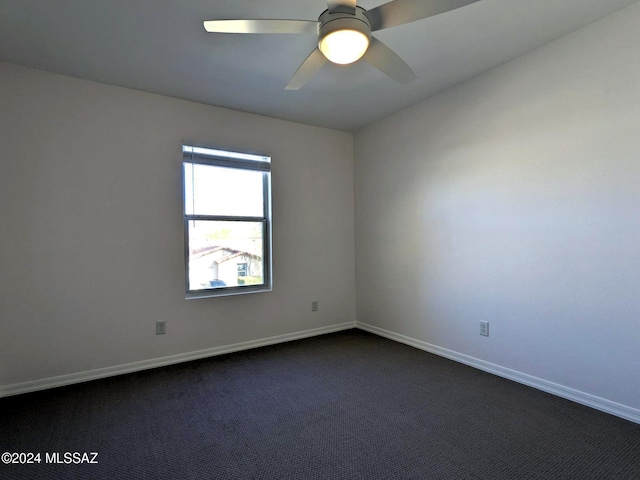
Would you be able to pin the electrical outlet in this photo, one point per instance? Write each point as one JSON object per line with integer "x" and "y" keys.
{"x": 314, "y": 306}
{"x": 484, "y": 329}
{"x": 161, "y": 328}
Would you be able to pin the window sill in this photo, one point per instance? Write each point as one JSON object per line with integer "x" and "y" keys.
{"x": 226, "y": 292}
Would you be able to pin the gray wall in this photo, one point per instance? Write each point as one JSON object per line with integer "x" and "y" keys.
{"x": 514, "y": 198}
{"x": 91, "y": 242}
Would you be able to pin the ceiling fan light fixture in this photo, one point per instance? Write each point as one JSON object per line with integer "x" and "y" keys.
{"x": 344, "y": 37}
{"x": 344, "y": 34}
{"x": 344, "y": 46}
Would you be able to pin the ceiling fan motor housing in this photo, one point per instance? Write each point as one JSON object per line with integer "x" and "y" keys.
{"x": 342, "y": 20}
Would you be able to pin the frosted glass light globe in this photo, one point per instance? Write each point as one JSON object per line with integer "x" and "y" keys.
{"x": 344, "y": 46}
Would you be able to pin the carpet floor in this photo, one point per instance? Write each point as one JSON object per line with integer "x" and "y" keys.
{"x": 349, "y": 405}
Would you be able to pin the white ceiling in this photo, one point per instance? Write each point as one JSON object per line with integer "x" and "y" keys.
{"x": 161, "y": 46}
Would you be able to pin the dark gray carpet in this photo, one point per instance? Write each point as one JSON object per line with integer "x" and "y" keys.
{"x": 349, "y": 405}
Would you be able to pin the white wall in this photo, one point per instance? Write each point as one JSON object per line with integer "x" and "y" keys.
{"x": 515, "y": 198}
{"x": 91, "y": 242}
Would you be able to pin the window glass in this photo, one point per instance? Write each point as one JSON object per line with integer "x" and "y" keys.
{"x": 227, "y": 222}
{"x": 225, "y": 254}
{"x": 223, "y": 191}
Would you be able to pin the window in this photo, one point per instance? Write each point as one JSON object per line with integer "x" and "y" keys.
{"x": 227, "y": 222}
{"x": 242, "y": 270}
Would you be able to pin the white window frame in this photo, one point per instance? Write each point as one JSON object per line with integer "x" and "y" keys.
{"x": 193, "y": 154}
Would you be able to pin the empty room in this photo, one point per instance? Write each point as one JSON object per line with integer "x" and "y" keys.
{"x": 320, "y": 239}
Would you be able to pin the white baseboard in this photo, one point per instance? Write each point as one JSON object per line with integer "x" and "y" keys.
{"x": 602, "y": 404}
{"x": 79, "y": 377}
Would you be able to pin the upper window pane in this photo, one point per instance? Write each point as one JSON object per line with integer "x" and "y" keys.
{"x": 213, "y": 190}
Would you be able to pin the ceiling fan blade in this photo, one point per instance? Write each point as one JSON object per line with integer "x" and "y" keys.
{"x": 388, "y": 62}
{"x": 261, "y": 26}
{"x": 308, "y": 69}
{"x": 348, "y": 6}
{"x": 399, "y": 12}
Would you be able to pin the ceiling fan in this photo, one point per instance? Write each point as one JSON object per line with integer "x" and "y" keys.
{"x": 344, "y": 34}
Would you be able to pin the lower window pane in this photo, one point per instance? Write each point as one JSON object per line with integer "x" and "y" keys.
{"x": 225, "y": 254}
